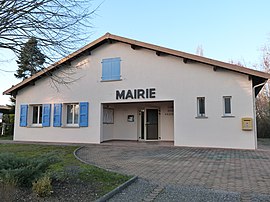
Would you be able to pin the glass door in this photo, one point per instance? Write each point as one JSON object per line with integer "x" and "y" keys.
{"x": 151, "y": 124}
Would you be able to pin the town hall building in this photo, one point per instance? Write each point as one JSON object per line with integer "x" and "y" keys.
{"x": 125, "y": 89}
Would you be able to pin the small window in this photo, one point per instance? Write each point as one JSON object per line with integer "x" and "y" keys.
{"x": 227, "y": 105}
{"x": 201, "y": 106}
{"x": 72, "y": 114}
{"x": 108, "y": 116}
{"x": 111, "y": 69}
{"x": 37, "y": 114}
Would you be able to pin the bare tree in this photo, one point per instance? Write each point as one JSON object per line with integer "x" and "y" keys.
{"x": 263, "y": 99}
{"x": 263, "y": 114}
{"x": 266, "y": 58}
{"x": 234, "y": 62}
{"x": 60, "y": 26}
{"x": 265, "y": 66}
{"x": 199, "y": 50}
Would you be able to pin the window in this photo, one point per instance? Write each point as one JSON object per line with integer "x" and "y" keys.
{"x": 37, "y": 114}
{"x": 107, "y": 116}
{"x": 72, "y": 114}
{"x": 201, "y": 106}
{"x": 41, "y": 115}
{"x": 227, "y": 105}
{"x": 111, "y": 69}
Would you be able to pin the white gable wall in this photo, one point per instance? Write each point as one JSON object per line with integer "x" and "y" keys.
{"x": 172, "y": 79}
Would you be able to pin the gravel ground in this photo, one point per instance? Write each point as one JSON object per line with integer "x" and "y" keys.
{"x": 194, "y": 194}
{"x": 137, "y": 191}
{"x": 260, "y": 198}
{"x": 141, "y": 189}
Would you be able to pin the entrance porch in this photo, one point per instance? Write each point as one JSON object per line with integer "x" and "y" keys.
{"x": 141, "y": 121}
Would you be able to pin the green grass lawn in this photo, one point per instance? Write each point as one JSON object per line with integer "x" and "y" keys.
{"x": 105, "y": 181}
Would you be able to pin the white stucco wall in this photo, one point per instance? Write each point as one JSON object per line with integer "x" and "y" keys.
{"x": 166, "y": 122}
{"x": 173, "y": 81}
{"x": 121, "y": 129}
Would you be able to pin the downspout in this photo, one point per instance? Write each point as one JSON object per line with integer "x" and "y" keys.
{"x": 254, "y": 111}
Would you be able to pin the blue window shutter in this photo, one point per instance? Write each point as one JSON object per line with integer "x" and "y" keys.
{"x": 111, "y": 69}
{"x": 46, "y": 115}
{"x": 23, "y": 115}
{"x": 83, "y": 114}
{"x": 57, "y": 115}
{"x": 115, "y": 69}
{"x": 106, "y": 69}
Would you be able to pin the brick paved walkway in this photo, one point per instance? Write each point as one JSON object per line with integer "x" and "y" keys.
{"x": 224, "y": 169}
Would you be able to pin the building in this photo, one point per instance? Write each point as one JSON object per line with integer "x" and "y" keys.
{"x": 4, "y": 110}
{"x": 131, "y": 90}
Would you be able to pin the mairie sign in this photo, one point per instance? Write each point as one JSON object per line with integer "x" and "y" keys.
{"x": 136, "y": 94}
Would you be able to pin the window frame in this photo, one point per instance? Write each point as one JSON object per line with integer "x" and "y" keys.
{"x": 201, "y": 115}
{"x": 224, "y": 106}
{"x": 65, "y": 114}
{"x": 39, "y": 115}
{"x": 108, "y": 116}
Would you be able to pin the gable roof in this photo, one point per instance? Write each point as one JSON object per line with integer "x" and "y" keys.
{"x": 257, "y": 76}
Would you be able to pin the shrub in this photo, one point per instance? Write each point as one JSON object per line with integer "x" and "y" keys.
{"x": 43, "y": 186}
{"x": 23, "y": 171}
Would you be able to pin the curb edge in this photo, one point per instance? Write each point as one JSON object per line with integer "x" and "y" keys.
{"x": 117, "y": 190}
{"x": 114, "y": 191}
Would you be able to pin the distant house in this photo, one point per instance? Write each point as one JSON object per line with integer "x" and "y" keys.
{"x": 131, "y": 90}
{"x": 3, "y": 110}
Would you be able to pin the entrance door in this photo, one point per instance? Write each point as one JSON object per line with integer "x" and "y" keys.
{"x": 151, "y": 124}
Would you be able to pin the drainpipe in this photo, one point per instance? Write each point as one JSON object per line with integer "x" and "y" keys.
{"x": 254, "y": 111}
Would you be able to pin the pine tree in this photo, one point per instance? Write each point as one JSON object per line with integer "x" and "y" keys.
{"x": 30, "y": 60}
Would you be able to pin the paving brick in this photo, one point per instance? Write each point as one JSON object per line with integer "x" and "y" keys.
{"x": 244, "y": 171}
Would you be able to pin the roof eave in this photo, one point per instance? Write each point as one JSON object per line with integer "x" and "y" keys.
{"x": 192, "y": 57}
{"x": 108, "y": 37}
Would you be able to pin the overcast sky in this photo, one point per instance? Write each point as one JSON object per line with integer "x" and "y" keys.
{"x": 227, "y": 30}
